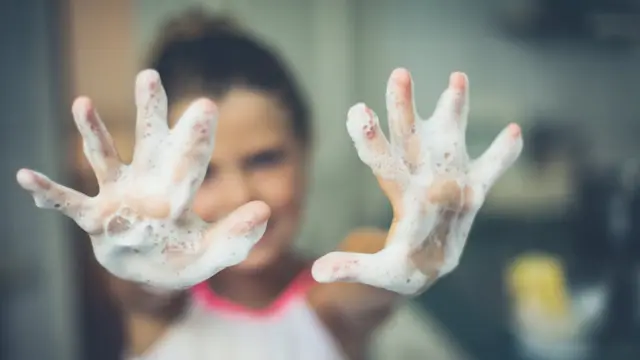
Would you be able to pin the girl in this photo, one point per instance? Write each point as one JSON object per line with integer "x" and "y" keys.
{"x": 178, "y": 215}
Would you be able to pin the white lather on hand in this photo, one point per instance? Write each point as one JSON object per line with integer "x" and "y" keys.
{"x": 141, "y": 224}
{"x": 143, "y": 229}
{"x": 434, "y": 188}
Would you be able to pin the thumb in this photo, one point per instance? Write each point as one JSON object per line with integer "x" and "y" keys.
{"x": 346, "y": 267}
{"x": 386, "y": 269}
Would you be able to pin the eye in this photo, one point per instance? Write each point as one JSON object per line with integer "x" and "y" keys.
{"x": 265, "y": 159}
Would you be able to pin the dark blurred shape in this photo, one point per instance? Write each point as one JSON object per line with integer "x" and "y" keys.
{"x": 605, "y": 249}
{"x": 551, "y": 139}
{"x": 101, "y": 325}
{"x": 36, "y": 316}
{"x": 576, "y": 20}
{"x": 621, "y": 220}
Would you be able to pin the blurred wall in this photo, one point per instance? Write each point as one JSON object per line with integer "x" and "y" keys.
{"x": 341, "y": 50}
{"x": 36, "y": 279}
{"x": 344, "y": 51}
{"x": 589, "y": 88}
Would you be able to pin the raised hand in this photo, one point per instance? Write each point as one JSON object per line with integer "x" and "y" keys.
{"x": 434, "y": 189}
{"x": 141, "y": 224}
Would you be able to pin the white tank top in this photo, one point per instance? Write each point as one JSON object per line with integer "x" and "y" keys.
{"x": 215, "y": 328}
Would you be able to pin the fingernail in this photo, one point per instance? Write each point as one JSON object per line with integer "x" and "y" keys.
{"x": 457, "y": 80}
{"x": 514, "y": 130}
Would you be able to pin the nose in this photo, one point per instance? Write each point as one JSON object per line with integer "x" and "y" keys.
{"x": 235, "y": 191}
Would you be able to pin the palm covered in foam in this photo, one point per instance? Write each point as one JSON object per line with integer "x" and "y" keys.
{"x": 434, "y": 188}
{"x": 141, "y": 224}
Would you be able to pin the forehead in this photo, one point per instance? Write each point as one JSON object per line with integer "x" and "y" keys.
{"x": 248, "y": 120}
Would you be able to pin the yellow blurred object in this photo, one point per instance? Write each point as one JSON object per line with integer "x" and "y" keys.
{"x": 538, "y": 281}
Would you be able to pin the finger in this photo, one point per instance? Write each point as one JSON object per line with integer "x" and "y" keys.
{"x": 48, "y": 194}
{"x": 371, "y": 144}
{"x": 230, "y": 240}
{"x": 500, "y": 155}
{"x": 193, "y": 140}
{"x": 151, "y": 102}
{"x": 98, "y": 144}
{"x": 151, "y": 122}
{"x": 402, "y": 115}
{"x": 345, "y": 267}
{"x": 381, "y": 270}
{"x": 453, "y": 104}
{"x": 400, "y": 105}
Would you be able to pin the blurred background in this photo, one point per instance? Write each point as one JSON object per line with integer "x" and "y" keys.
{"x": 552, "y": 266}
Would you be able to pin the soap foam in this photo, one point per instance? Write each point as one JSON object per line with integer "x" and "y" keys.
{"x": 441, "y": 188}
{"x": 141, "y": 225}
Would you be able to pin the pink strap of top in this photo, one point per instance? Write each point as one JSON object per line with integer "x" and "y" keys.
{"x": 203, "y": 294}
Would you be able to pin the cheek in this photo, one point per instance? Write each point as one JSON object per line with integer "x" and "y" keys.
{"x": 204, "y": 204}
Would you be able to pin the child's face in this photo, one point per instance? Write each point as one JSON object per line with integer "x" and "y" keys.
{"x": 256, "y": 157}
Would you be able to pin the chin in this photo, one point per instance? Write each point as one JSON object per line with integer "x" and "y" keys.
{"x": 257, "y": 260}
